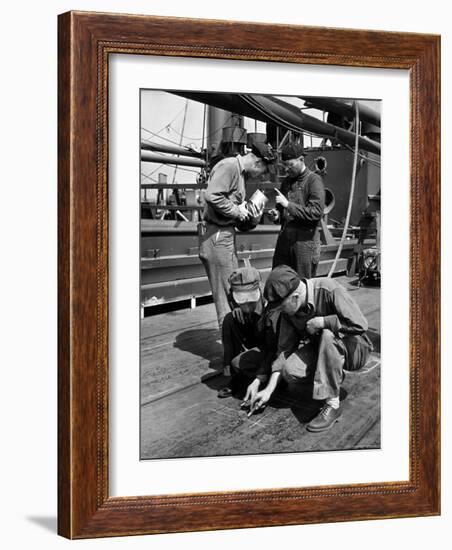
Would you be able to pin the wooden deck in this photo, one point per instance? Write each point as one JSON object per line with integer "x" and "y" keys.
{"x": 181, "y": 416}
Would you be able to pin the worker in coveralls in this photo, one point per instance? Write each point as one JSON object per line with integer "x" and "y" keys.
{"x": 300, "y": 204}
{"x": 322, "y": 332}
{"x": 225, "y": 207}
{"x": 249, "y": 340}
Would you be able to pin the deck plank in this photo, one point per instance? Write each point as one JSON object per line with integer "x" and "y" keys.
{"x": 178, "y": 349}
{"x": 194, "y": 422}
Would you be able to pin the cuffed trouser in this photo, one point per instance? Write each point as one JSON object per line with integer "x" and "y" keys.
{"x": 240, "y": 351}
{"x": 327, "y": 356}
{"x": 218, "y": 255}
{"x": 298, "y": 249}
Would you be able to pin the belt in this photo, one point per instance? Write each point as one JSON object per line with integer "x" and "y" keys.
{"x": 304, "y": 231}
{"x": 203, "y": 228}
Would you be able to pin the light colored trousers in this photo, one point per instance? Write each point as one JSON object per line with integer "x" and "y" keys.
{"x": 324, "y": 359}
{"x": 218, "y": 254}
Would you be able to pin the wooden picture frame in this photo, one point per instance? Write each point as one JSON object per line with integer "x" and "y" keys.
{"x": 86, "y": 40}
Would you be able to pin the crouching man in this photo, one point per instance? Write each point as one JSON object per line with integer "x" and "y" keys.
{"x": 249, "y": 340}
{"x": 322, "y": 332}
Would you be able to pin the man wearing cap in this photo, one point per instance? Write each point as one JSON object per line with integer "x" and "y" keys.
{"x": 225, "y": 207}
{"x": 300, "y": 204}
{"x": 322, "y": 332}
{"x": 249, "y": 341}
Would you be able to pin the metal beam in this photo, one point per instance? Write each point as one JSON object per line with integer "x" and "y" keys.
{"x": 341, "y": 107}
{"x": 149, "y": 156}
{"x": 273, "y": 110}
{"x": 174, "y": 186}
{"x": 172, "y": 149}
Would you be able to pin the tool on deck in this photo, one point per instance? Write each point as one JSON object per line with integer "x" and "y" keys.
{"x": 252, "y": 410}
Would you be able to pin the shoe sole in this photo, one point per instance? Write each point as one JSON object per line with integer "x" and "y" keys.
{"x": 318, "y": 430}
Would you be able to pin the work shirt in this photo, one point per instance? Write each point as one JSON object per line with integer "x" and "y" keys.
{"x": 306, "y": 196}
{"x": 225, "y": 191}
{"x": 328, "y": 299}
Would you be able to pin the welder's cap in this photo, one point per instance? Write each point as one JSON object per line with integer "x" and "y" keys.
{"x": 281, "y": 282}
{"x": 292, "y": 151}
{"x": 264, "y": 151}
{"x": 245, "y": 284}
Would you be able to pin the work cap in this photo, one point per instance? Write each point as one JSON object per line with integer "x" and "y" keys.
{"x": 245, "y": 284}
{"x": 281, "y": 282}
{"x": 292, "y": 151}
{"x": 264, "y": 151}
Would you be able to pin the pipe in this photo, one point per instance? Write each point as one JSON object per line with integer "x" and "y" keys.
{"x": 149, "y": 156}
{"x": 172, "y": 149}
{"x": 217, "y": 119}
{"x": 352, "y": 192}
{"x": 289, "y": 116}
{"x": 272, "y": 110}
{"x": 179, "y": 213}
{"x": 341, "y": 107}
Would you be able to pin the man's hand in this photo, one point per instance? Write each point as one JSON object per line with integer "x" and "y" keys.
{"x": 237, "y": 313}
{"x": 281, "y": 199}
{"x": 251, "y": 392}
{"x": 260, "y": 400}
{"x": 315, "y": 325}
{"x": 243, "y": 212}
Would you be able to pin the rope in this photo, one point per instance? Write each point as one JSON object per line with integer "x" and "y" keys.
{"x": 160, "y": 137}
{"x": 149, "y": 177}
{"x": 367, "y": 159}
{"x": 352, "y": 191}
{"x": 169, "y": 124}
{"x": 215, "y": 132}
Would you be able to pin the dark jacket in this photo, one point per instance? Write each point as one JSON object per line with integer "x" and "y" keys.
{"x": 306, "y": 195}
{"x": 258, "y": 331}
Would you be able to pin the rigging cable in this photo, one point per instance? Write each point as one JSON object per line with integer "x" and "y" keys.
{"x": 180, "y": 143}
{"x": 367, "y": 159}
{"x": 160, "y": 137}
{"x": 183, "y": 169}
{"x": 205, "y": 137}
{"x": 153, "y": 171}
{"x": 170, "y": 123}
{"x": 149, "y": 177}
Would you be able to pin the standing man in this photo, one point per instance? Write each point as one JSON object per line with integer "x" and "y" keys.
{"x": 225, "y": 206}
{"x": 249, "y": 340}
{"x": 300, "y": 205}
{"x": 323, "y": 314}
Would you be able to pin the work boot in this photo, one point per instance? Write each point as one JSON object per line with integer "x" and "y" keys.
{"x": 325, "y": 419}
{"x": 225, "y": 392}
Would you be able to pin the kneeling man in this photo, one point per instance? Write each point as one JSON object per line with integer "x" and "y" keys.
{"x": 249, "y": 340}
{"x": 322, "y": 311}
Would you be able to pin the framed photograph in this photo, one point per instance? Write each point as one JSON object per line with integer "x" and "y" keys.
{"x": 248, "y": 275}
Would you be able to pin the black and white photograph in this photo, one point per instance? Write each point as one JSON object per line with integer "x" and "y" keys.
{"x": 223, "y": 318}
{"x": 260, "y": 274}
